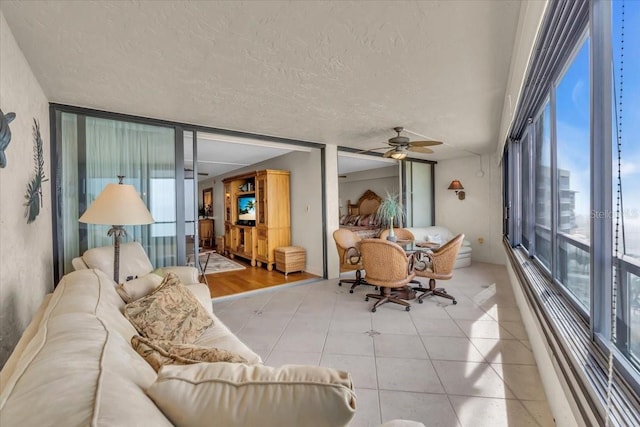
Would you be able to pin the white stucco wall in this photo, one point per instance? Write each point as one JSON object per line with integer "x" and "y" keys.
{"x": 479, "y": 215}
{"x": 26, "y": 260}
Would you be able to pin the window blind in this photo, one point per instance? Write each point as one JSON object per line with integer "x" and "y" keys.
{"x": 561, "y": 28}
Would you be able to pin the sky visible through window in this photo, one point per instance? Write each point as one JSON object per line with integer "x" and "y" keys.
{"x": 572, "y": 121}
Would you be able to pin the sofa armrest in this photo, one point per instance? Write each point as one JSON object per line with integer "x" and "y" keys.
{"x": 79, "y": 264}
{"x": 292, "y": 395}
{"x": 201, "y": 292}
{"x": 11, "y": 363}
{"x": 186, "y": 274}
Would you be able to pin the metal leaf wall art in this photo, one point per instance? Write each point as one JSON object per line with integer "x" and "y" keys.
{"x": 34, "y": 188}
{"x": 5, "y": 135}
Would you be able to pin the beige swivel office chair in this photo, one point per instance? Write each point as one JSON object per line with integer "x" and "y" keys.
{"x": 438, "y": 265}
{"x": 347, "y": 243}
{"x": 389, "y": 267}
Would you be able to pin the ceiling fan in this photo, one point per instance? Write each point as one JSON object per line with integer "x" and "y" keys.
{"x": 401, "y": 146}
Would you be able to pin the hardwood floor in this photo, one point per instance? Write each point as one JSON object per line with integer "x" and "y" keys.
{"x": 249, "y": 279}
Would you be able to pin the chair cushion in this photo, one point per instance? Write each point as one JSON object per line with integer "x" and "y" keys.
{"x": 171, "y": 312}
{"x": 234, "y": 394}
{"x": 162, "y": 352}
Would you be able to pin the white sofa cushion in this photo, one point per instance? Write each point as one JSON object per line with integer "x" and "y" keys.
{"x": 135, "y": 289}
{"x": 134, "y": 261}
{"x": 443, "y": 235}
{"x": 79, "y": 368}
{"x": 232, "y": 394}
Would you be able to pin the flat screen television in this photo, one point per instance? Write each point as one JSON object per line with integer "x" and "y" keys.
{"x": 247, "y": 210}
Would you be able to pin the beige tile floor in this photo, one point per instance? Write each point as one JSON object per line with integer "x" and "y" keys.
{"x": 464, "y": 365}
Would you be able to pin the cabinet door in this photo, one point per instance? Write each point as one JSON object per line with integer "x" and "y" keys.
{"x": 263, "y": 243}
{"x": 261, "y": 195}
{"x": 227, "y": 202}
{"x": 248, "y": 242}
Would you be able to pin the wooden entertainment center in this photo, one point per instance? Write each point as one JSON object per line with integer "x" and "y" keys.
{"x": 261, "y": 198}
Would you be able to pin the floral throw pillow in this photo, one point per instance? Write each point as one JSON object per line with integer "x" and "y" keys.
{"x": 162, "y": 352}
{"x": 171, "y": 312}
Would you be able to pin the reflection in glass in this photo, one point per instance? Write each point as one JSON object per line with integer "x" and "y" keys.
{"x": 626, "y": 121}
{"x": 526, "y": 176}
{"x": 573, "y": 154}
{"x": 573, "y": 271}
{"x": 634, "y": 315}
{"x": 543, "y": 187}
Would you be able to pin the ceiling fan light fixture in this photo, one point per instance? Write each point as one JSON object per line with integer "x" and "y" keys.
{"x": 399, "y": 155}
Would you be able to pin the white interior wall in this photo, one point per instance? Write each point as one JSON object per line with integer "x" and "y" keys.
{"x": 479, "y": 215}
{"x": 26, "y": 255}
{"x": 306, "y": 201}
{"x": 332, "y": 207}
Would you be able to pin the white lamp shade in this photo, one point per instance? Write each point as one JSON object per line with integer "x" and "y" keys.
{"x": 118, "y": 204}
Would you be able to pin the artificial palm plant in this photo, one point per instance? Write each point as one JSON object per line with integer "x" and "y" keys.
{"x": 390, "y": 209}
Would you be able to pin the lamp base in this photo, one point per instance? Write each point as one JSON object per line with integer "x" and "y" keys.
{"x": 117, "y": 231}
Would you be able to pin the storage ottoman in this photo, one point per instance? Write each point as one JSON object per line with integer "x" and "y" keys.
{"x": 290, "y": 258}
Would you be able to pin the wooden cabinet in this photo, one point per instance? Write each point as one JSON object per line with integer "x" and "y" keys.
{"x": 270, "y": 227}
{"x": 206, "y": 232}
{"x": 242, "y": 242}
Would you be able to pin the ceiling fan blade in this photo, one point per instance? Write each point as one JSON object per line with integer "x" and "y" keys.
{"x": 420, "y": 149}
{"x": 388, "y": 153}
{"x": 424, "y": 143}
{"x": 370, "y": 149}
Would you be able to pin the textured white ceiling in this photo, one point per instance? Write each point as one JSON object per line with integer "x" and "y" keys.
{"x": 333, "y": 72}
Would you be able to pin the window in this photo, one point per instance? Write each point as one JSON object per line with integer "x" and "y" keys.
{"x": 93, "y": 152}
{"x": 588, "y": 271}
{"x": 573, "y": 174}
{"x": 525, "y": 191}
{"x": 625, "y": 209}
{"x": 543, "y": 197}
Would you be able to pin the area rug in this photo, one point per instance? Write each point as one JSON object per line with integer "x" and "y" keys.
{"x": 219, "y": 264}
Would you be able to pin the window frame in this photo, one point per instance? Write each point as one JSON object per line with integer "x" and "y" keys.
{"x": 595, "y": 320}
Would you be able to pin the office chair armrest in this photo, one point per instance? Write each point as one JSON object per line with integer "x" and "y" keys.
{"x": 421, "y": 260}
{"x": 352, "y": 255}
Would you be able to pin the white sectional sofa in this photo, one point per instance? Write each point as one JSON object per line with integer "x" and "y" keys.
{"x": 439, "y": 234}
{"x": 75, "y": 366}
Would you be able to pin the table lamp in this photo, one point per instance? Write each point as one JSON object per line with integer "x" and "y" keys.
{"x": 117, "y": 205}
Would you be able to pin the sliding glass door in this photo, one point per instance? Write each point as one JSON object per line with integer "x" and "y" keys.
{"x": 418, "y": 184}
{"x": 93, "y": 152}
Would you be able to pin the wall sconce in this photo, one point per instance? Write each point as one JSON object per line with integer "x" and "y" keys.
{"x": 457, "y": 186}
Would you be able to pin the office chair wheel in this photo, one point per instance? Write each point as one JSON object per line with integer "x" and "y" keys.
{"x": 366, "y": 298}
{"x": 407, "y": 308}
{"x": 350, "y": 291}
{"x": 455, "y": 302}
{"x": 339, "y": 283}
{"x": 420, "y": 301}
{"x": 373, "y": 310}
